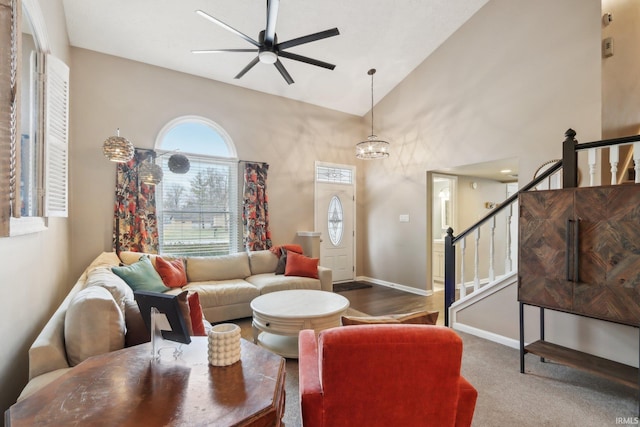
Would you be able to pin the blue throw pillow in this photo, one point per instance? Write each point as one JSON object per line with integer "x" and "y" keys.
{"x": 141, "y": 276}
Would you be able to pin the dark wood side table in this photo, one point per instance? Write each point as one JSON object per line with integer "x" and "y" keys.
{"x": 125, "y": 388}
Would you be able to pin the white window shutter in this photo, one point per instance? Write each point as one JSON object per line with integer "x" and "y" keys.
{"x": 56, "y": 137}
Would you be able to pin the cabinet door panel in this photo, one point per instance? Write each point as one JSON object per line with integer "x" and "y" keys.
{"x": 623, "y": 239}
{"x": 543, "y": 249}
{"x": 609, "y": 282}
{"x": 613, "y": 303}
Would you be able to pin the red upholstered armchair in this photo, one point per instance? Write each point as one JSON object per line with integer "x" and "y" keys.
{"x": 383, "y": 375}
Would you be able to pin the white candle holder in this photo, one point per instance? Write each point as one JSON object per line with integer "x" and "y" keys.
{"x": 224, "y": 344}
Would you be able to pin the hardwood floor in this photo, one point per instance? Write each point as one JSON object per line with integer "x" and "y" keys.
{"x": 380, "y": 300}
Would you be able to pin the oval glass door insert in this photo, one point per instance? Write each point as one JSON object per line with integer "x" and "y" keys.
{"x": 335, "y": 220}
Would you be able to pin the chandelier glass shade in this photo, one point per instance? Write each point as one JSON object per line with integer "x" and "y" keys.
{"x": 179, "y": 163}
{"x": 150, "y": 173}
{"x": 373, "y": 147}
{"x": 118, "y": 149}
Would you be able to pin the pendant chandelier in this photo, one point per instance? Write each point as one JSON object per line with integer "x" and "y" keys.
{"x": 372, "y": 147}
{"x": 118, "y": 149}
{"x": 148, "y": 171}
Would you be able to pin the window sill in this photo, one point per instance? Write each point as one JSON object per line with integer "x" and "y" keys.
{"x": 27, "y": 225}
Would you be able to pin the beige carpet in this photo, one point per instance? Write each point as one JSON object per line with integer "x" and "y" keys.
{"x": 547, "y": 395}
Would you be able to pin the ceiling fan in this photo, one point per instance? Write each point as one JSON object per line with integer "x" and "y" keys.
{"x": 268, "y": 48}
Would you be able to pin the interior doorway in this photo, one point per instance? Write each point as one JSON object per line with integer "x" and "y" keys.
{"x": 460, "y": 196}
{"x": 334, "y": 218}
{"x": 444, "y": 189}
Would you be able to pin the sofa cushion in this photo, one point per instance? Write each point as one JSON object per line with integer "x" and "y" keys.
{"x": 104, "y": 277}
{"x": 141, "y": 276}
{"x": 129, "y": 257}
{"x": 137, "y": 332}
{"x": 282, "y": 263}
{"x": 172, "y": 272}
{"x": 93, "y": 325}
{"x": 40, "y": 381}
{"x": 262, "y": 261}
{"x": 416, "y": 317}
{"x": 215, "y": 268}
{"x": 270, "y": 282}
{"x": 300, "y": 265}
{"x": 224, "y": 292}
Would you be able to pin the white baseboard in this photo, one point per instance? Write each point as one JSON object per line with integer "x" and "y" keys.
{"x": 404, "y": 288}
{"x": 490, "y": 336}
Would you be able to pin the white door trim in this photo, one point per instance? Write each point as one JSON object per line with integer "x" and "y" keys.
{"x": 315, "y": 201}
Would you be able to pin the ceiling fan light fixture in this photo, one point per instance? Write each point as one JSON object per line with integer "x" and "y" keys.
{"x": 373, "y": 147}
{"x": 268, "y": 47}
{"x": 267, "y": 57}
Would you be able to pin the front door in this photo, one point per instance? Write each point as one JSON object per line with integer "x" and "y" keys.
{"x": 335, "y": 219}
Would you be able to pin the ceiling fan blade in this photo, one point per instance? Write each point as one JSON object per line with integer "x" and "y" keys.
{"x": 283, "y": 71}
{"x": 308, "y": 39}
{"x": 247, "y": 68}
{"x": 227, "y": 27}
{"x": 223, "y": 50}
{"x": 272, "y": 17}
{"x": 311, "y": 61}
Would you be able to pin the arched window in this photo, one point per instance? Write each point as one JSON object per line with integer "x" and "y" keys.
{"x": 198, "y": 209}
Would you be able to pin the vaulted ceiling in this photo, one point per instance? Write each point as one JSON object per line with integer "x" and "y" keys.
{"x": 393, "y": 36}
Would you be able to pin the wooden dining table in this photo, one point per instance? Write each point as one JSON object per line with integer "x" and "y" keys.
{"x": 129, "y": 388}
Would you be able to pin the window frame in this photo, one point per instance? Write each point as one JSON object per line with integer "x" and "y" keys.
{"x": 230, "y": 161}
{"x": 11, "y": 221}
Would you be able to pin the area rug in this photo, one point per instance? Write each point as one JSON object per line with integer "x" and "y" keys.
{"x": 292, "y": 417}
{"x": 547, "y": 395}
{"x": 350, "y": 286}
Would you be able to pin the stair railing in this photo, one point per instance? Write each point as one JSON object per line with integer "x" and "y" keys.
{"x": 569, "y": 166}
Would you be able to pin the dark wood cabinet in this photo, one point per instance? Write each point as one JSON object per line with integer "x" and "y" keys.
{"x": 580, "y": 251}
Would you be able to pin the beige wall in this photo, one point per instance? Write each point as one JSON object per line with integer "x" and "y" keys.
{"x": 34, "y": 268}
{"x": 507, "y": 84}
{"x": 620, "y": 83}
{"x": 620, "y": 117}
{"x": 109, "y": 93}
{"x": 604, "y": 339}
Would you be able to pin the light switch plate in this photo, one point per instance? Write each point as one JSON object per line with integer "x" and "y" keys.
{"x": 404, "y": 218}
{"x": 607, "y": 47}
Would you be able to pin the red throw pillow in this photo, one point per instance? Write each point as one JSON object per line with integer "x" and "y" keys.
{"x": 196, "y": 314}
{"x": 172, "y": 273}
{"x": 300, "y": 265}
{"x": 279, "y": 250}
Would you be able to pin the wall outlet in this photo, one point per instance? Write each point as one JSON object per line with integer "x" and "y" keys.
{"x": 404, "y": 218}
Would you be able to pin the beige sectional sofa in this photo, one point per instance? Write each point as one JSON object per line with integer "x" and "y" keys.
{"x": 226, "y": 284}
{"x": 92, "y": 318}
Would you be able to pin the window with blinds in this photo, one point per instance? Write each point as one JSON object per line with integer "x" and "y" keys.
{"x": 197, "y": 210}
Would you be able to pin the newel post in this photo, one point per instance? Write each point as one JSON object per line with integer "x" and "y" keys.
{"x": 449, "y": 274}
{"x": 569, "y": 160}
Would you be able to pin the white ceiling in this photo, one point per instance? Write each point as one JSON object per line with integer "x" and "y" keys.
{"x": 393, "y": 36}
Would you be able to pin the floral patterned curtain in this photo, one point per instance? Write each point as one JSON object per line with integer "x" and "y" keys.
{"x": 135, "y": 226}
{"x": 255, "y": 207}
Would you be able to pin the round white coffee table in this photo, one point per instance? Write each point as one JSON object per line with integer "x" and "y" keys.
{"x": 279, "y": 316}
